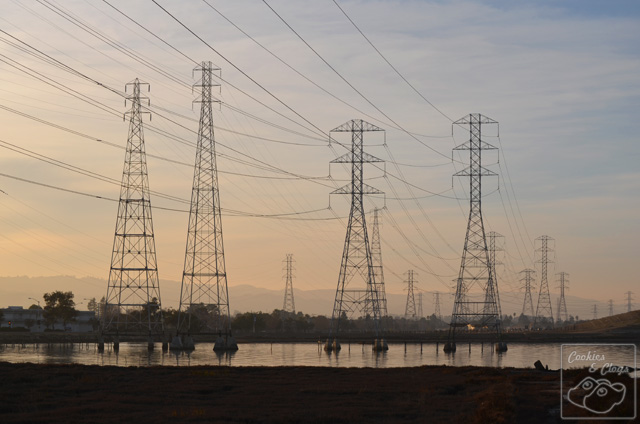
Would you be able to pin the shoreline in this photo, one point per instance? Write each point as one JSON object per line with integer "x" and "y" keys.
{"x": 7, "y": 337}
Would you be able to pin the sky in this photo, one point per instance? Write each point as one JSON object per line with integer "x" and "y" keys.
{"x": 560, "y": 77}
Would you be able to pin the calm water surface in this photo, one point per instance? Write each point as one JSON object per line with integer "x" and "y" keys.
{"x": 288, "y": 354}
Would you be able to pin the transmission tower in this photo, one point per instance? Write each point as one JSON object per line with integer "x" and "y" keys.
{"x": 132, "y": 304}
{"x": 563, "y": 279}
{"x": 543, "y": 309}
{"x": 527, "y": 307}
{"x": 595, "y": 311}
{"x": 289, "y": 305}
{"x": 476, "y": 301}
{"x": 376, "y": 254}
{"x": 204, "y": 296}
{"x": 436, "y": 301}
{"x": 492, "y": 260}
{"x": 420, "y": 311}
{"x": 610, "y": 307}
{"x": 629, "y": 300}
{"x": 356, "y": 257}
{"x": 410, "y": 308}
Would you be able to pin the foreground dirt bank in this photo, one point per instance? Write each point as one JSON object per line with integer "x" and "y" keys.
{"x": 31, "y": 393}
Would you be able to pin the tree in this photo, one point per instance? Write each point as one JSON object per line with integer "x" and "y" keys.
{"x": 92, "y": 305}
{"x": 59, "y": 307}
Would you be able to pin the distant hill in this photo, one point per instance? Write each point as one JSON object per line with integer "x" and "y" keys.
{"x": 16, "y": 291}
{"x": 629, "y": 321}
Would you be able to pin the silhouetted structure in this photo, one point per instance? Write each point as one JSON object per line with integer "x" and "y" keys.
{"x": 132, "y": 303}
{"x": 543, "y": 309}
{"x": 477, "y": 308}
{"x": 356, "y": 257}
{"x": 410, "y": 307}
{"x": 204, "y": 296}
{"x": 527, "y": 306}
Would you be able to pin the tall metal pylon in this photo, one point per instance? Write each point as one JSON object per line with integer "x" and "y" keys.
{"x": 410, "y": 308}
{"x": 289, "y": 305}
{"x": 493, "y": 248}
{"x": 420, "y": 311}
{"x": 132, "y": 304}
{"x": 563, "y": 314}
{"x": 476, "y": 302}
{"x": 543, "y": 309}
{"x": 595, "y": 311}
{"x": 527, "y": 306}
{"x": 376, "y": 253}
{"x": 204, "y": 295}
{"x": 356, "y": 257}
{"x": 436, "y": 301}
{"x": 629, "y": 293}
{"x": 610, "y": 307}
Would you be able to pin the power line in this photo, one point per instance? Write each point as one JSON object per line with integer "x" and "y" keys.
{"x": 348, "y": 83}
{"x": 389, "y": 63}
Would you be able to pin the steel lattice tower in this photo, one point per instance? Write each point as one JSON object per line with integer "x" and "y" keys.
{"x": 527, "y": 306}
{"x": 436, "y": 301}
{"x": 595, "y": 311}
{"x": 476, "y": 300}
{"x": 132, "y": 304}
{"x": 628, "y": 301}
{"x": 420, "y": 311}
{"x": 356, "y": 257}
{"x": 289, "y": 305}
{"x": 376, "y": 253}
{"x": 563, "y": 279}
{"x": 543, "y": 309}
{"x": 410, "y": 308}
{"x": 494, "y": 263}
{"x": 204, "y": 296}
{"x": 610, "y": 307}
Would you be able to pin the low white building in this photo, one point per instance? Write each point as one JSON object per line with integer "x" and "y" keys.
{"x": 33, "y": 320}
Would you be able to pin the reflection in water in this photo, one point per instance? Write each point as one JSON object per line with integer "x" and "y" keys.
{"x": 286, "y": 354}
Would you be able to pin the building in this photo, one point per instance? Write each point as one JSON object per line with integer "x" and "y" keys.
{"x": 32, "y": 320}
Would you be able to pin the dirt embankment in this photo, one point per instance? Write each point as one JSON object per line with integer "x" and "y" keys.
{"x": 32, "y": 393}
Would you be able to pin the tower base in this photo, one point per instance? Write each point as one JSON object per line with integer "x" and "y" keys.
{"x": 331, "y": 347}
{"x": 184, "y": 342}
{"x": 224, "y": 344}
{"x": 380, "y": 345}
{"x": 449, "y": 347}
{"x": 500, "y": 347}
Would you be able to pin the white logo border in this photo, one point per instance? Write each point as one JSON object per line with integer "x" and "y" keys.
{"x": 635, "y": 381}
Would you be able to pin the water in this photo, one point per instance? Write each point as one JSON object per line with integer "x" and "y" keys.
{"x": 519, "y": 355}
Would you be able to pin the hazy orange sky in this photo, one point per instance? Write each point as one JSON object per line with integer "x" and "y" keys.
{"x": 561, "y": 78}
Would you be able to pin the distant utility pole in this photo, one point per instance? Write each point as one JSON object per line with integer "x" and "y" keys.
{"x": 628, "y": 301}
{"x": 436, "y": 301}
{"x": 378, "y": 270}
{"x": 610, "y": 307}
{"x": 544, "y": 298}
{"x": 410, "y": 309}
{"x": 563, "y": 279}
{"x": 420, "y": 312}
{"x": 595, "y": 311}
{"x": 289, "y": 305}
{"x": 489, "y": 296}
{"x": 527, "y": 306}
